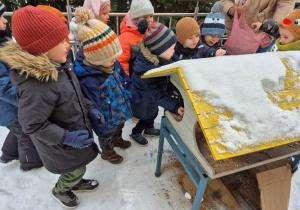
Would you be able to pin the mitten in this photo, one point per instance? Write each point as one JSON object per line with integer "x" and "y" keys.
{"x": 77, "y": 139}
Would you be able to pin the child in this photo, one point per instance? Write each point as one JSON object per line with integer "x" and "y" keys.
{"x": 101, "y": 10}
{"x": 103, "y": 81}
{"x": 213, "y": 27}
{"x": 287, "y": 32}
{"x": 51, "y": 107}
{"x": 16, "y": 145}
{"x": 152, "y": 90}
{"x": 139, "y": 10}
{"x": 189, "y": 45}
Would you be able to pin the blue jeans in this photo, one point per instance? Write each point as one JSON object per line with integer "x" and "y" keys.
{"x": 266, "y": 49}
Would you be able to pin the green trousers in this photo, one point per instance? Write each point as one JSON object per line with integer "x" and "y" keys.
{"x": 67, "y": 181}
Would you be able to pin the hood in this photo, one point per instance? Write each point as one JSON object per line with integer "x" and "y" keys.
{"x": 145, "y": 60}
{"x": 81, "y": 69}
{"x": 127, "y": 26}
{"x": 28, "y": 65}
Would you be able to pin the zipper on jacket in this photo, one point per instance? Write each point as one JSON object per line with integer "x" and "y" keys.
{"x": 109, "y": 106}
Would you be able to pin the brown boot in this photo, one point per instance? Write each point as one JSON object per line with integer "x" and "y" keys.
{"x": 108, "y": 153}
{"x": 117, "y": 141}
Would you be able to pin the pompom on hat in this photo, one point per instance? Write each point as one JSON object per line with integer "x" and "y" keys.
{"x": 96, "y": 6}
{"x": 292, "y": 23}
{"x": 2, "y": 8}
{"x": 185, "y": 28}
{"x": 100, "y": 43}
{"x": 37, "y": 30}
{"x": 214, "y": 23}
{"x": 158, "y": 38}
{"x": 139, "y": 8}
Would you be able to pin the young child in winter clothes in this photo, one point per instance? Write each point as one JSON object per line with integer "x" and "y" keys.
{"x": 130, "y": 36}
{"x": 100, "y": 9}
{"x": 103, "y": 81}
{"x": 287, "y": 31}
{"x": 51, "y": 107}
{"x": 156, "y": 49}
{"x": 16, "y": 145}
{"x": 189, "y": 45}
{"x": 213, "y": 27}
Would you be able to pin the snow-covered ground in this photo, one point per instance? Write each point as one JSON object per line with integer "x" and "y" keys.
{"x": 130, "y": 185}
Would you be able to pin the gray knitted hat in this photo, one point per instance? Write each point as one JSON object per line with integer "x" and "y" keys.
{"x": 139, "y": 8}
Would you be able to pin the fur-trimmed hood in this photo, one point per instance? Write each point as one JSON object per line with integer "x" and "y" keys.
{"x": 26, "y": 64}
{"x": 147, "y": 53}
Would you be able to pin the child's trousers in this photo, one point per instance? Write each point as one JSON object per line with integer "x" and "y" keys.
{"x": 143, "y": 124}
{"x": 104, "y": 141}
{"x": 68, "y": 180}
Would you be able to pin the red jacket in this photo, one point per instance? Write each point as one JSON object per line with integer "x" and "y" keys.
{"x": 129, "y": 36}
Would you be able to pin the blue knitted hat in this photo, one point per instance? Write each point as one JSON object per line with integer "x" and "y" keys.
{"x": 2, "y": 8}
{"x": 214, "y": 23}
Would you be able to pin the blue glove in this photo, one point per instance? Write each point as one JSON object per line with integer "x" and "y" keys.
{"x": 78, "y": 139}
{"x": 95, "y": 114}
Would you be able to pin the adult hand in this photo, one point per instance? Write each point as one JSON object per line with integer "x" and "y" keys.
{"x": 220, "y": 52}
{"x": 180, "y": 111}
{"x": 240, "y": 7}
{"x": 256, "y": 26}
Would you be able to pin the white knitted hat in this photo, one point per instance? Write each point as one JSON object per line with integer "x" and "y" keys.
{"x": 139, "y": 8}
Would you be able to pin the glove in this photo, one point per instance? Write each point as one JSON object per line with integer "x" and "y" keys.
{"x": 77, "y": 139}
{"x": 95, "y": 114}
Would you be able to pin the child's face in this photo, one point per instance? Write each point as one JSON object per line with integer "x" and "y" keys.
{"x": 59, "y": 53}
{"x": 168, "y": 53}
{"x": 191, "y": 42}
{"x": 149, "y": 19}
{"x": 109, "y": 64}
{"x": 104, "y": 14}
{"x": 3, "y": 22}
{"x": 286, "y": 37}
{"x": 211, "y": 39}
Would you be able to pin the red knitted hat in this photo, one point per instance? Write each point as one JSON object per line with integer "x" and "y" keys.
{"x": 37, "y": 30}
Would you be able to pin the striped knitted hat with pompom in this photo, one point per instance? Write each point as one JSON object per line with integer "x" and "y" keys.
{"x": 2, "y": 8}
{"x": 100, "y": 43}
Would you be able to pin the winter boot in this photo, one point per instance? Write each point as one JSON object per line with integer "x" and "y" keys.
{"x": 139, "y": 138}
{"x": 86, "y": 185}
{"x": 118, "y": 141}
{"x": 25, "y": 169}
{"x": 66, "y": 199}
{"x": 152, "y": 132}
{"x": 6, "y": 158}
{"x": 108, "y": 153}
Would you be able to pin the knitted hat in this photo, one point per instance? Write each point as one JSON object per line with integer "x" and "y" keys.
{"x": 36, "y": 30}
{"x": 58, "y": 13}
{"x": 100, "y": 43}
{"x": 158, "y": 38}
{"x": 214, "y": 23}
{"x": 2, "y": 8}
{"x": 96, "y": 5}
{"x": 185, "y": 28}
{"x": 139, "y": 8}
{"x": 292, "y": 23}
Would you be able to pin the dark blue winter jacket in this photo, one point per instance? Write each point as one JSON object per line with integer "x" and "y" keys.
{"x": 110, "y": 93}
{"x": 8, "y": 100}
{"x": 151, "y": 90}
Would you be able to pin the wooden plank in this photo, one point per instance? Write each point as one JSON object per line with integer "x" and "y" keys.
{"x": 290, "y": 82}
{"x": 284, "y": 94}
{"x": 211, "y": 120}
{"x": 289, "y": 105}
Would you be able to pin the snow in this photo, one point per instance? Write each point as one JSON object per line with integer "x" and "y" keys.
{"x": 239, "y": 85}
{"x": 130, "y": 185}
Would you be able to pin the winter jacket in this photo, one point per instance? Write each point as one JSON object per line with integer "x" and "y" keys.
{"x": 260, "y": 10}
{"x": 200, "y": 51}
{"x": 110, "y": 93}
{"x": 151, "y": 90}
{"x": 50, "y": 102}
{"x": 129, "y": 36}
{"x": 8, "y": 98}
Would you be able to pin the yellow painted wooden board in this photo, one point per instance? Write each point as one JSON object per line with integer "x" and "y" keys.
{"x": 208, "y": 115}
